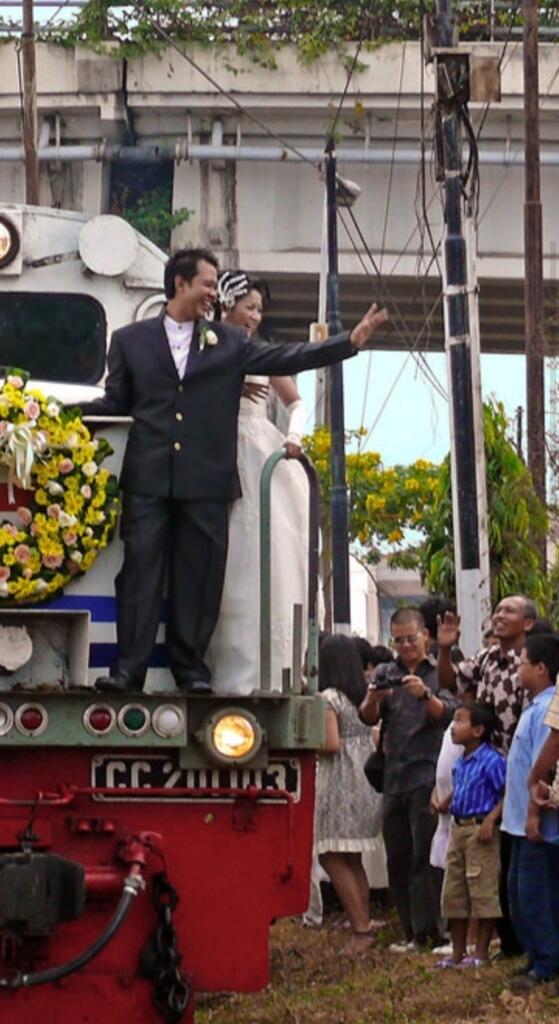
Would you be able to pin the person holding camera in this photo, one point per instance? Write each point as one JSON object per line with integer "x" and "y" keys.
{"x": 415, "y": 712}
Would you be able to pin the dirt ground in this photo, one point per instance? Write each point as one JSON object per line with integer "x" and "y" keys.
{"x": 314, "y": 980}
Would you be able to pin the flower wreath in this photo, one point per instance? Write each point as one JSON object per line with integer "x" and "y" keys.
{"x": 75, "y": 504}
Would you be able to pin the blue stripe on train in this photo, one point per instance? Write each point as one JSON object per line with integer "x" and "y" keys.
{"x": 103, "y": 656}
{"x": 101, "y": 608}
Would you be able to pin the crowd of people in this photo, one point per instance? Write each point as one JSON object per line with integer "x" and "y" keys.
{"x": 451, "y": 761}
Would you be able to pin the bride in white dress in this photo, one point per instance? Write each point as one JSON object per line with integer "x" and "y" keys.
{"x": 234, "y": 651}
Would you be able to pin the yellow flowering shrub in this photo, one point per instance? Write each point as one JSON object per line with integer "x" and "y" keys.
{"x": 74, "y": 505}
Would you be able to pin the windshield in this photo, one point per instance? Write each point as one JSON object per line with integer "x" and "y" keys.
{"x": 54, "y": 336}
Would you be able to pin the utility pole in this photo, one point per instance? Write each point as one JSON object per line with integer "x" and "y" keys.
{"x": 29, "y": 106}
{"x": 340, "y": 539}
{"x": 533, "y": 257}
{"x": 461, "y": 335}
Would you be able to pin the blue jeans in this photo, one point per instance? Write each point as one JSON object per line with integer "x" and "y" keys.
{"x": 534, "y": 902}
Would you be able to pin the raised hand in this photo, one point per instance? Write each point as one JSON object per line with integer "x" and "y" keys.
{"x": 363, "y": 332}
{"x": 448, "y": 629}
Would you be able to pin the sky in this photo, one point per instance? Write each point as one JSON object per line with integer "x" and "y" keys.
{"x": 415, "y": 421}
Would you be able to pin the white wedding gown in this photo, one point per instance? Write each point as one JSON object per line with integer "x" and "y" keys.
{"x": 234, "y": 651}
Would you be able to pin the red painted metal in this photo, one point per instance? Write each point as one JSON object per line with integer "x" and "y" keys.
{"x": 238, "y": 858}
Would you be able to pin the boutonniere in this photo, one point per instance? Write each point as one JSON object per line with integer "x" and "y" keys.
{"x": 206, "y": 337}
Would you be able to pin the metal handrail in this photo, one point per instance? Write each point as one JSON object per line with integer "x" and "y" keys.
{"x": 266, "y": 571}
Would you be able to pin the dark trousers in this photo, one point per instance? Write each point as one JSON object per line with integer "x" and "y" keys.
{"x": 510, "y": 945}
{"x": 534, "y": 902}
{"x": 189, "y": 539}
{"x": 408, "y": 828}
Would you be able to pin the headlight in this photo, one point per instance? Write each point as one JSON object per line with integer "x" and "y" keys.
{"x": 232, "y": 736}
{"x": 9, "y": 241}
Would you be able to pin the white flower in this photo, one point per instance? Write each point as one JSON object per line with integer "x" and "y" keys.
{"x": 66, "y": 520}
{"x": 76, "y": 556}
{"x": 85, "y": 491}
{"x": 54, "y": 488}
{"x": 89, "y": 468}
{"x": 16, "y": 382}
{"x": 211, "y": 338}
{"x": 52, "y": 410}
{"x": 40, "y": 585}
{"x": 3, "y": 589}
{"x": 72, "y": 440}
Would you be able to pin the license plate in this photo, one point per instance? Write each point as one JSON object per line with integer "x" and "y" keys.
{"x": 161, "y": 772}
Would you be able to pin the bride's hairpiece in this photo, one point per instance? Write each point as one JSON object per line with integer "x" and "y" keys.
{"x": 232, "y": 286}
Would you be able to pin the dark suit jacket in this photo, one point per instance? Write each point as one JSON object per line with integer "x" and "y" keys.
{"x": 183, "y": 441}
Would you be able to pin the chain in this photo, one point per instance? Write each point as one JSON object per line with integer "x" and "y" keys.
{"x": 160, "y": 960}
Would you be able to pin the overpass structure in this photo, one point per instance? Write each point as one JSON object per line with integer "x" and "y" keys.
{"x": 257, "y": 200}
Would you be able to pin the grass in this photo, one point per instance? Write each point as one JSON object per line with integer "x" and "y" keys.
{"x": 314, "y": 980}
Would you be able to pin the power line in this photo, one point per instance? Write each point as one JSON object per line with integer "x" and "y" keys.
{"x": 352, "y": 67}
{"x": 227, "y": 95}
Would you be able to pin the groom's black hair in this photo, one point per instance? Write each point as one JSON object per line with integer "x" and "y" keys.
{"x": 184, "y": 263}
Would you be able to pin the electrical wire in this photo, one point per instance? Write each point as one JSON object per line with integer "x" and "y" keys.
{"x": 223, "y": 92}
{"x": 352, "y": 67}
{"x": 483, "y": 117}
{"x": 388, "y": 297}
{"x": 393, "y": 155}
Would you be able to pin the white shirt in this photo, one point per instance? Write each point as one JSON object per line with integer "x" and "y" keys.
{"x": 179, "y": 337}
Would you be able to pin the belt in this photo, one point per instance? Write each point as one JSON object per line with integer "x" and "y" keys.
{"x": 475, "y": 819}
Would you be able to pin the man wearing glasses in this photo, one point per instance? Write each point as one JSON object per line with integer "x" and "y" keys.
{"x": 415, "y": 712}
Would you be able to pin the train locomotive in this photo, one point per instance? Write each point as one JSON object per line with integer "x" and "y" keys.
{"x": 146, "y": 844}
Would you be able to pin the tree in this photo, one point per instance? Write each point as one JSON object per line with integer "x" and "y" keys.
{"x": 257, "y": 29}
{"x": 405, "y": 513}
{"x": 518, "y": 522}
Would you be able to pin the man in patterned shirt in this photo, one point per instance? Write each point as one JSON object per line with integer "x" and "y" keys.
{"x": 491, "y": 677}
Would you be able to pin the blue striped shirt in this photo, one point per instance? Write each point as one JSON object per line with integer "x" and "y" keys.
{"x": 478, "y": 782}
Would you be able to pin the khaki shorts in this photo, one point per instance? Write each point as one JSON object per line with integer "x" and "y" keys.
{"x": 471, "y": 878}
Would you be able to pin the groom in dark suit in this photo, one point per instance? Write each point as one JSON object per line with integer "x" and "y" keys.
{"x": 180, "y": 377}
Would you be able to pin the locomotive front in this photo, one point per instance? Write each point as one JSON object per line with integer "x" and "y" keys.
{"x": 146, "y": 844}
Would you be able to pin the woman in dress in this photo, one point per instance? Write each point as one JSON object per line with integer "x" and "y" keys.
{"x": 347, "y": 819}
{"x": 234, "y": 651}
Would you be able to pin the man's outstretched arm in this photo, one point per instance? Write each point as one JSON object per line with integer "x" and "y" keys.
{"x": 280, "y": 360}
{"x": 117, "y": 398}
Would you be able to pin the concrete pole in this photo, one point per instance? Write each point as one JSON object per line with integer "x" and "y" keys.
{"x": 533, "y": 244}
{"x": 462, "y": 350}
{"x": 340, "y": 536}
{"x": 29, "y": 106}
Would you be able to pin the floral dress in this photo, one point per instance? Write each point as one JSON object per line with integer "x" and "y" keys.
{"x": 348, "y": 809}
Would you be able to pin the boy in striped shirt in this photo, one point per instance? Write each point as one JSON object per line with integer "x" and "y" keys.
{"x": 471, "y": 881}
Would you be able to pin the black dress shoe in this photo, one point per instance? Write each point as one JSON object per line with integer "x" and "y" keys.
{"x": 195, "y": 686}
{"x": 120, "y": 682}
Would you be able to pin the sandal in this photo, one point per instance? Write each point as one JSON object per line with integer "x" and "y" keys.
{"x": 448, "y": 962}
{"x": 473, "y": 961}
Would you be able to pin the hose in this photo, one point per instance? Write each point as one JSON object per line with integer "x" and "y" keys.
{"x": 132, "y": 886}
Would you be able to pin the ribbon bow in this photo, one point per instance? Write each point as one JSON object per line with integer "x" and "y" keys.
{"x": 19, "y": 445}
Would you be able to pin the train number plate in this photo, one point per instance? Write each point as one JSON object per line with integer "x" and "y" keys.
{"x": 157, "y": 772}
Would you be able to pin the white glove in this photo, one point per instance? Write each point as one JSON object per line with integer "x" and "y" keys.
{"x": 297, "y": 421}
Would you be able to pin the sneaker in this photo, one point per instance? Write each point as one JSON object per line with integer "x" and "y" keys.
{"x": 445, "y": 950}
{"x": 525, "y": 983}
{"x": 403, "y": 947}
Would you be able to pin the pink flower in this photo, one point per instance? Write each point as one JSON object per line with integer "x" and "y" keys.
{"x": 3, "y": 427}
{"x": 51, "y": 561}
{"x": 24, "y": 515}
{"x": 53, "y": 511}
{"x": 10, "y": 529}
{"x": 15, "y": 381}
{"x": 85, "y": 491}
{"x": 65, "y": 466}
{"x": 5, "y": 573}
{"x": 72, "y": 567}
{"x": 34, "y": 530}
{"x": 32, "y": 409}
{"x": 22, "y": 553}
{"x": 70, "y": 537}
